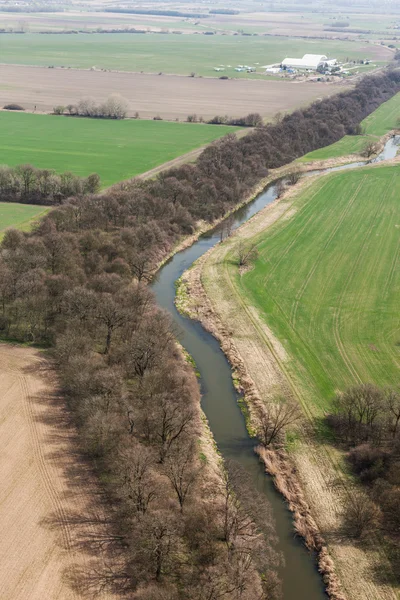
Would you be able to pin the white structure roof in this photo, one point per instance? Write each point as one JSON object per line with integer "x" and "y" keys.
{"x": 309, "y": 61}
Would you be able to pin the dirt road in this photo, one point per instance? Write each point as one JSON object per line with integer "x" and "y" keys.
{"x": 51, "y": 519}
{"x": 170, "y": 96}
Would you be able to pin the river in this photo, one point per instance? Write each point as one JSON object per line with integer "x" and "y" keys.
{"x": 301, "y": 580}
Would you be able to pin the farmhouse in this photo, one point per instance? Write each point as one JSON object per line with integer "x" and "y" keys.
{"x": 309, "y": 61}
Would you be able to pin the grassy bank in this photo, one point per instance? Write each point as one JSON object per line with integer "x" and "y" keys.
{"x": 116, "y": 150}
{"x": 382, "y": 120}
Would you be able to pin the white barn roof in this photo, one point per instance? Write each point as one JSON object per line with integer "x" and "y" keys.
{"x": 309, "y": 61}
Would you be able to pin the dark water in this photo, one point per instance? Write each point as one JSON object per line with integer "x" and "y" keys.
{"x": 301, "y": 580}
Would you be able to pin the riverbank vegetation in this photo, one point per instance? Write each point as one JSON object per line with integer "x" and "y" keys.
{"x": 77, "y": 284}
{"x": 384, "y": 119}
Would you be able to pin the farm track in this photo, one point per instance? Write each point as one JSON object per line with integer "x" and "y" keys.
{"x": 51, "y": 514}
{"x": 318, "y": 465}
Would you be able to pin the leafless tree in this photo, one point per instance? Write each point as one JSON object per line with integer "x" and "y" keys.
{"x": 246, "y": 253}
{"x": 181, "y": 470}
{"x": 361, "y": 516}
{"x": 392, "y": 403}
{"x": 275, "y": 417}
{"x": 369, "y": 149}
{"x": 138, "y": 485}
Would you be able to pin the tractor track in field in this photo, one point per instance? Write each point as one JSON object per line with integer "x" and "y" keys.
{"x": 51, "y": 513}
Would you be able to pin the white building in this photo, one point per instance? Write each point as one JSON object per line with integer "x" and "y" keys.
{"x": 309, "y": 61}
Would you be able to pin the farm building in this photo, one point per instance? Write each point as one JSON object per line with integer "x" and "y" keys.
{"x": 309, "y": 61}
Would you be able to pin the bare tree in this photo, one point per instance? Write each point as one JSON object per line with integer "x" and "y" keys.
{"x": 138, "y": 485}
{"x": 361, "y": 516}
{"x": 295, "y": 176}
{"x": 392, "y": 404}
{"x": 181, "y": 470}
{"x": 369, "y": 149}
{"x": 279, "y": 188}
{"x": 276, "y": 416}
{"x": 246, "y": 253}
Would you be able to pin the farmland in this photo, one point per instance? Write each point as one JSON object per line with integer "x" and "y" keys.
{"x": 317, "y": 312}
{"x": 20, "y": 216}
{"x": 327, "y": 282}
{"x": 383, "y": 119}
{"x": 116, "y": 150}
{"x": 172, "y": 53}
{"x": 172, "y": 97}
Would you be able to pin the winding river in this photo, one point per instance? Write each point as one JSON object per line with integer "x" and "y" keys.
{"x": 301, "y": 580}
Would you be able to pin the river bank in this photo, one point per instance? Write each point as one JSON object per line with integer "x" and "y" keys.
{"x": 208, "y": 293}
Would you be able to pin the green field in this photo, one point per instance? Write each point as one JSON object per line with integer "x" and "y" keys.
{"x": 116, "y": 150}
{"x": 173, "y": 53}
{"x": 382, "y": 120}
{"x": 20, "y": 216}
{"x": 327, "y": 281}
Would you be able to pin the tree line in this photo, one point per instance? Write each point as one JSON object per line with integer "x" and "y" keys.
{"x": 30, "y": 185}
{"x": 77, "y": 283}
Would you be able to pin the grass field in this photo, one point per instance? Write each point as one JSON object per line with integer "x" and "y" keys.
{"x": 20, "y": 216}
{"x": 382, "y": 120}
{"x": 116, "y": 150}
{"x": 327, "y": 282}
{"x": 181, "y": 54}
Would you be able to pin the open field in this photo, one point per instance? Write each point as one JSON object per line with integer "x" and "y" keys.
{"x": 116, "y": 150}
{"x": 300, "y": 23}
{"x": 383, "y": 119}
{"x": 171, "y": 97}
{"x": 20, "y": 216}
{"x": 50, "y": 513}
{"x": 172, "y": 54}
{"x": 308, "y": 335}
{"x": 327, "y": 282}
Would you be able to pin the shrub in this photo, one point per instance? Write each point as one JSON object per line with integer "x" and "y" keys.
{"x": 58, "y": 110}
{"x": 13, "y": 107}
{"x": 368, "y": 462}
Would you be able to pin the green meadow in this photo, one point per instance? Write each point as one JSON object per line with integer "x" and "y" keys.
{"x": 21, "y": 216}
{"x": 116, "y": 150}
{"x": 327, "y": 281}
{"x": 383, "y": 119}
{"x": 172, "y": 53}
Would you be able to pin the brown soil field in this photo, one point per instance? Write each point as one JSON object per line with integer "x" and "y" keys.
{"x": 170, "y": 96}
{"x": 54, "y": 538}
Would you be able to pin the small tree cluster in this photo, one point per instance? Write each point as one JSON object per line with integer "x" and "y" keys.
{"x": 115, "y": 107}
{"x": 366, "y": 420}
{"x": 30, "y": 185}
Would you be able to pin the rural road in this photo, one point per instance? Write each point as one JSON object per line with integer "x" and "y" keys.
{"x": 51, "y": 519}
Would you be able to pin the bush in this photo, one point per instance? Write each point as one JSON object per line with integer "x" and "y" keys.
{"x": 368, "y": 462}
{"x": 58, "y": 110}
{"x": 13, "y": 107}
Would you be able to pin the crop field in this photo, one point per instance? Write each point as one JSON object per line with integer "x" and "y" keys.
{"x": 383, "y": 119}
{"x": 116, "y": 150}
{"x": 172, "y": 53}
{"x": 20, "y": 216}
{"x": 327, "y": 282}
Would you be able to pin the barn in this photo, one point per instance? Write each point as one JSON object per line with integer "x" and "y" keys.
{"x": 309, "y": 61}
